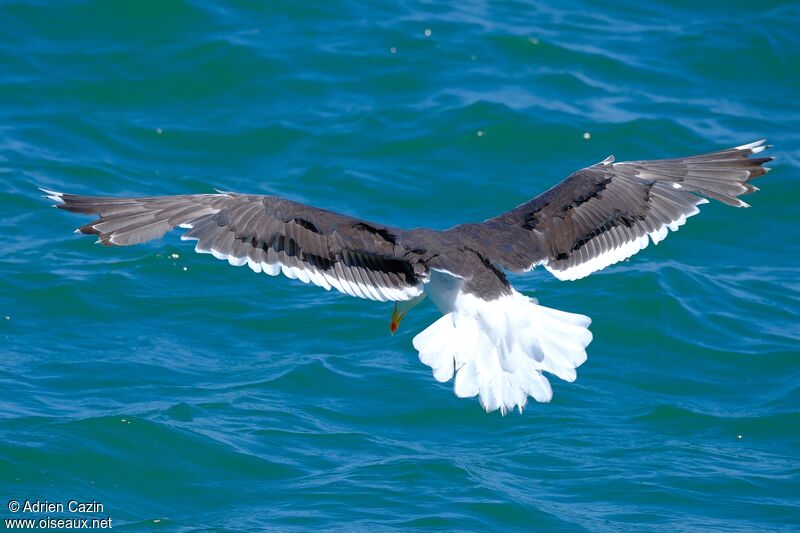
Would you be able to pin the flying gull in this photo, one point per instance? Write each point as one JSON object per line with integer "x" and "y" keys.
{"x": 494, "y": 340}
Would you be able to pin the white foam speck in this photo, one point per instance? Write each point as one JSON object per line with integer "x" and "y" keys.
{"x": 428, "y": 32}
{"x": 587, "y": 135}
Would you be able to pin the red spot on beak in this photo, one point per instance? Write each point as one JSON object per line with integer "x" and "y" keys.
{"x": 393, "y": 326}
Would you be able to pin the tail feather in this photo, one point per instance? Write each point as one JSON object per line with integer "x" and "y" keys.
{"x": 499, "y": 349}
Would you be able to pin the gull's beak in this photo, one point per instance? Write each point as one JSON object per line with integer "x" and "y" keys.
{"x": 396, "y": 318}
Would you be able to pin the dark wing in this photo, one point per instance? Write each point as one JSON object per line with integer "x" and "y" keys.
{"x": 267, "y": 233}
{"x": 607, "y": 212}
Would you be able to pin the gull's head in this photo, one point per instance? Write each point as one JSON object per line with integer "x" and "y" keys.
{"x": 400, "y": 309}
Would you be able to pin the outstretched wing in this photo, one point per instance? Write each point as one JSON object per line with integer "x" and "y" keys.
{"x": 607, "y": 212}
{"x": 268, "y": 234}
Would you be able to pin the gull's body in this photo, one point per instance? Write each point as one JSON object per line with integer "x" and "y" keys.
{"x": 496, "y": 341}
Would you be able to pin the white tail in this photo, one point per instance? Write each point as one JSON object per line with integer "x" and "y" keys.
{"x": 498, "y": 349}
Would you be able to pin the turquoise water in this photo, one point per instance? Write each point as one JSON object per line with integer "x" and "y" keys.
{"x": 185, "y": 394}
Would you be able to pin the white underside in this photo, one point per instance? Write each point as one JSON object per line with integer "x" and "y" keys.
{"x": 498, "y": 349}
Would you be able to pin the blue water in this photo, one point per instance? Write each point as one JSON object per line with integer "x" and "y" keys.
{"x": 183, "y": 393}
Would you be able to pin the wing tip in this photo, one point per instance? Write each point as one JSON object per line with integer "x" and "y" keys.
{"x": 755, "y": 146}
{"x": 55, "y": 196}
